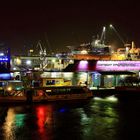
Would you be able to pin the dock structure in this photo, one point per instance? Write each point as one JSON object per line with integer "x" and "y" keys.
{"x": 28, "y": 95}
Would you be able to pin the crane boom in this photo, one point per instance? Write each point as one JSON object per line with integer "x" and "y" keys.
{"x": 39, "y": 45}
{"x": 112, "y": 27}
{"x": 102, "y": 39}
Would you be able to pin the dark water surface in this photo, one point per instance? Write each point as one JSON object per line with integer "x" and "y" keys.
{"x": 98, "y": 119}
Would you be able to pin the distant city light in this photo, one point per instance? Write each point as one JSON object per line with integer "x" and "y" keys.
{"x": 18, "y": 61}
{"x": 84, "y": 52}
{"x": 96, "y": 42}
{"x": 109, "y": 76}
{"x": 28, "y": 62}
{"x": 14, "y": 68}
{"x": 111, "y": 26}
{"x": 53, "y": 60}
{"x": 31, "y": 51}
{"x": 1, "y": 54}
{"x": 4, "y": 59}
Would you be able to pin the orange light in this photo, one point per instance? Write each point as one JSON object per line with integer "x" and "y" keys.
{"x": 40, "y": 93}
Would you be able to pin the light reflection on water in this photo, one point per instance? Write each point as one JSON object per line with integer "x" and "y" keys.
{"x": 98, "y": 119}
{"x": 102, "y": 119}
{"x": 9, "y": 125}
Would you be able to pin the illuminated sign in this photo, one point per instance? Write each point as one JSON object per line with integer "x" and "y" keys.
{"x": 5, "y": 76}
{"x": 83, "y": 65}
{"x": 118, "y": 65}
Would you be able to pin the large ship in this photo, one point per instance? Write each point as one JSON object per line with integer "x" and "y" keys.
{"x": 95, "y": 50}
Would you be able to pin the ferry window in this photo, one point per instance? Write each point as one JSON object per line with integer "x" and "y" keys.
{"x": 53, "y": 82}
{"x": 60, "y": 91}
{"x": 57, "y": 81}
{"x": 1, "y": 84}
{"x": 50, "y": 82}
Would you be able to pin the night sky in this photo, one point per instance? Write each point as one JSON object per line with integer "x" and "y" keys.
{"x": 68, "y": 23}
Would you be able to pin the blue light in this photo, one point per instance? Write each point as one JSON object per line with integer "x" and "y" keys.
{"x": 62, "y": 110}
{"x": 5, "y": 76}
{"x": 3, "y": 59}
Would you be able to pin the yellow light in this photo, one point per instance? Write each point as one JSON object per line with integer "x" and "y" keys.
{"x": 31, "y": 51}
{"x": 83, "y": 52}
{"x": 53, "y": 60}
{"x": 48, "y": 90}
{"x": 109, "y": 76}
{"x": 122, "y": 76}
{"x": 18, "y": 61}
{"x": 9, "y": 88}
{"x": 111, "y": 26}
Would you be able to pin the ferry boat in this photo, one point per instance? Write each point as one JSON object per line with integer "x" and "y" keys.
{"x": 53, "y": 89}
{"x": 45, "y": 94}
{"x": 62, "y": 93}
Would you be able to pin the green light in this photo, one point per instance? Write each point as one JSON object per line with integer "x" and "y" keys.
{"x": 20, "y": 120}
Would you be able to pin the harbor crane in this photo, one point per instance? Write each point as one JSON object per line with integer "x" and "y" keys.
{"x": 100, "y": 41}
{"x": 114, "y": 29}
{"x": 42, "y": 54}
{"x": 42, "y": 51}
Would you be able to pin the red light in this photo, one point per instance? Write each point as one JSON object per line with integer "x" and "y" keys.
{"x": 44, "y": 115}
{"x": 40, "y": 92}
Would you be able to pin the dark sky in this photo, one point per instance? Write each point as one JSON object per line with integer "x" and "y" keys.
{"x": 22, "y": 24}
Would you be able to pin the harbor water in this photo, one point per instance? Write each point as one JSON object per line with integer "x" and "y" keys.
{"x": 105, "y": 118}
